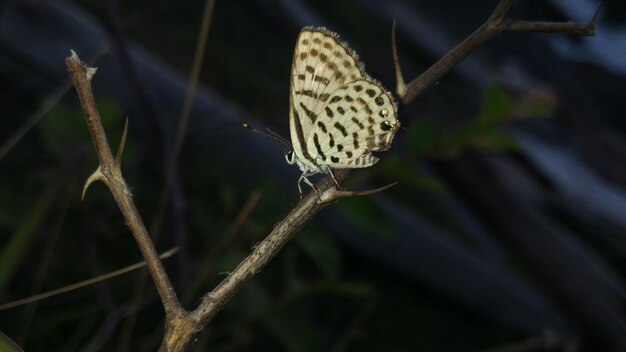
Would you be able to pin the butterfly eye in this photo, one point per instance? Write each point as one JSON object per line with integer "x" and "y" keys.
{"x": 289, "y": 156}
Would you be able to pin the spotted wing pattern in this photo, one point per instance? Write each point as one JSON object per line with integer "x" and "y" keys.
{"x": 359, "y": 118}
{"x": 321, "y": 65}
{"x": 338, "y": 115}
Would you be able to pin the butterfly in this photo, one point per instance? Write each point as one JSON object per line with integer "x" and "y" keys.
{"x": 338, "y": 114}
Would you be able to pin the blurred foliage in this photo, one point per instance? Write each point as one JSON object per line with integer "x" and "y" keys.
{"x": 368, "y": 215}
{"x": 486, "y": 132}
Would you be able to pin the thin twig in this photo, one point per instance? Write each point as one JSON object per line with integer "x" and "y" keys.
{"x": 170, "y": 183}
{"x": 194, "y": 77}
{"x": 494, "y": 26}
{"x": 76, "y": 286}
{"x": 111, "y": 175}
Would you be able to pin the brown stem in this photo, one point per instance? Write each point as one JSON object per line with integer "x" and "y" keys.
{"x": 180, "y": 337}
{"x": 111, "y": 174}
{"x": 495, "y": 25}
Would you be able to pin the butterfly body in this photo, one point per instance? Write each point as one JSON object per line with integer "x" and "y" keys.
{"x": 338, "y": 115}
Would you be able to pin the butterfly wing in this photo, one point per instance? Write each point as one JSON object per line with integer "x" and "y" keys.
{"x": 321, "y": 65}
{"x": 357, "y": 119}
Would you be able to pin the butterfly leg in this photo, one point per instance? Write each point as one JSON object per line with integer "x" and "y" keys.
{"x": 332, "y": 175}
{"x": 304, "y": 178}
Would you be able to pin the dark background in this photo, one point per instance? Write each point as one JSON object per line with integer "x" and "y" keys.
{"x": 506, "y": 229}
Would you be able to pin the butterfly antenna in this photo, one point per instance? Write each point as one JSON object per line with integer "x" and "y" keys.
{"x": 271, "y": 134}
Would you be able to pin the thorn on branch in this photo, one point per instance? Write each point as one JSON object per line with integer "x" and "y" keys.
{"x": 95, "y": 176}
{"x": 332, "y": 193}
{"x": 495, "y": 25}
{"x": 400, "y": 85}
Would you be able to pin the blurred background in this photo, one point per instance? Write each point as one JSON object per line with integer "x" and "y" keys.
{"x": 506, "y": 231}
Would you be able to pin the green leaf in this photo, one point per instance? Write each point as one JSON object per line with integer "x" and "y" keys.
{"x": 367, "y": 215}
{"x": 497, "y": 103}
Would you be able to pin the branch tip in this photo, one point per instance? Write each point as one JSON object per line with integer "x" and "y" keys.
{"x": 73, "y": 55}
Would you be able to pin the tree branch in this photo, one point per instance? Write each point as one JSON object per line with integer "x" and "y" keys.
{"x": 180, "y": 336}
{"x": 495, "y": 25}
{"x": 111, "y": 174}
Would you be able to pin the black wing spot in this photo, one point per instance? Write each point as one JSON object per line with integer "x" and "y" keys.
{"x": 341, "y": 110}
{"x": 359, "y": 123}
{"x": 379, "y": 100}
{"x": 335, "y": 99}
{"x": 324, "y": 80}
{"x": 329, "y": 112}
{"x": 334, "y": 159}
{"x": 341, "y": 128}
{"x": 370, "y": 92}
{"x": 321, "y": 125}
{"x": 364, "y": 105}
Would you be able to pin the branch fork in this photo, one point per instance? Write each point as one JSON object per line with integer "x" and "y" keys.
{"x": 496, "y": 24}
